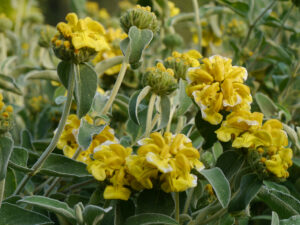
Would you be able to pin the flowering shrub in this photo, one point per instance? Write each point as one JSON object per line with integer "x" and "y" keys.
{"x": 161, "y": 113}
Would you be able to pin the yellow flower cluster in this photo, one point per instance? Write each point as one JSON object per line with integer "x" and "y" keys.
{"x": 180, "y": 62}
{"x": 216, "y": 85}
{"x": 246, "y": 131}
{"x": 173, "y": 156}
{"x": 113, "y": 37}
{"x": 79, "y": 34}
{"x": 83, "y": 33}
{"x": 160, "y": 160}
{"x": 6, "y": 116}
{"x": 236, "y": 27}
{"x": 92, "y": 9}
{"x": 208, "y": 36}
{"x": 173, "y": 9}
{"x": 68, "y": 140}
{"x": 37, "y": 103}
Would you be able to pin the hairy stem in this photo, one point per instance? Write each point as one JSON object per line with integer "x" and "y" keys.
{"x": 35, "y": 168}
{"x": 2, "y": 187}
{"x": 188, "y": 200}
{"x": 149, "y": 114}
{"x": 118, "y": 82}
{"x": 198, "y": 23}
{"x": 177, "y": 207}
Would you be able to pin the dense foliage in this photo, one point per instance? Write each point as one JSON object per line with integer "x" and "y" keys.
{"x": 151, "y": 115}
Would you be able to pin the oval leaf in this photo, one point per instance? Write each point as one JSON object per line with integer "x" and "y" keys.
{"x": 6, "y": 145}
{"x": 86, "y": 133}
{"x": 64, "y": 69}
{"x": 249, "y": 187}
{"x": 14, "y": 215}
{"x": 62, "y": 166}
{"x": 150, "y": 218}
{"x": 135, "y": 101}
{"x": 220, "y": 184}
{"x": 139, "y": 40}
{"x": 86, "y": 87}
{"x": 52, "y": 205}
{"x": 266, "y": 105}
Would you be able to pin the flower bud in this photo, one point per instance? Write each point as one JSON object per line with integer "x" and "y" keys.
{"x": 141, "y": 17}
{"x": 46, "y": 34}
{"x": 160, "y": 79}
{"x": 6, "y": 117}
{"x": 5, "y": 23}
{"x": 173, "y": 41}
{"x": 180, "y": 62}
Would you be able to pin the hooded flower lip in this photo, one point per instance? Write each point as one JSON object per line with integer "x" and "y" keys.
{"x": 217, "y": 85}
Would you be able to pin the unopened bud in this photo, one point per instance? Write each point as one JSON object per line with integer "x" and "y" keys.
{"x": 160, "y": 79}
{"x": 141, "y": 17}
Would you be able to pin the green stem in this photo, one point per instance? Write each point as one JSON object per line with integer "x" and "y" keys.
{"x": 149, "y": 114}
{"x": 102, "y": 66}
{"x": 2, "y": 187}
{"x": 36, "y": 167}
{"x": 118, "y": 82}
{"x": 53, "y": 184}
{"x": 177, "y": 207}
{"x": 218, "y": 214}
{"x": 188, "y": 201}
{"x": 58, "y": 179}
{"x": 251, "y": 27}
{"x": 3, "y": 47}
{"x": 198, "y": 23}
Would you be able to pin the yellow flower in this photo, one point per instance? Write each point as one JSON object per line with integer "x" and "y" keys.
{"x": 279, "y": 163}
{"x": 268, "y": 140}
{"x": 108, "y": 158}
{"x": 172, "y": 155}
{"x": 117, "y": 190}
{"x": 237, "y": 122}
{"x": 84, "y": 35}
{"x": 217, "y": 85}
{"x": 270, "y": 135}
{"x": 109, "y": 163}
{"x": 6, "y": 116}
{"x": 173, "y": 9}
{"x": 208, "y": 36}
{"x": 142, "y": 171}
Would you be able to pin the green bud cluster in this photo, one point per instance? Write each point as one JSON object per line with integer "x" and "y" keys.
{"x": 160, "y": 79}
{"x": 46, "y": 34}
{"x": 141, "y": 17}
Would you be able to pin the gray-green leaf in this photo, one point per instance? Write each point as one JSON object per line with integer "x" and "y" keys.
{"x": 220, "y": 184}
{"x": 150, "y": 218}
{"x": 52, "y": 205}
